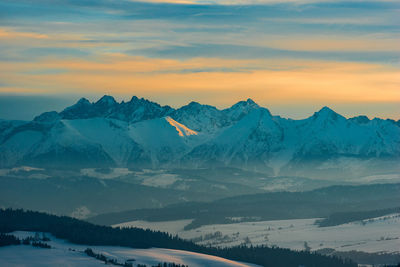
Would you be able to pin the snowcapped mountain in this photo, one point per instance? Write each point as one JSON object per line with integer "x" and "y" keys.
{"x": 143, "y": 134}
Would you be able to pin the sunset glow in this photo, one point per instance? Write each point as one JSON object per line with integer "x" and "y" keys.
{"x": 275, "y": 52}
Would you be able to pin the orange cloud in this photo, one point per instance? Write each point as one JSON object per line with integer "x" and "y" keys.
{"x": 319, "y": 43}
{"x": 10, "y": 34}
{"x": 264, "y": 80}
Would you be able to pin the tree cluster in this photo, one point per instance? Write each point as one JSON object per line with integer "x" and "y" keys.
{"x": 8, "y": 240}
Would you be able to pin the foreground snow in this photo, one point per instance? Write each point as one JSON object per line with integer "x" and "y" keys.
{"x": 64, "y": 253}
{"x": 375, "y": 235}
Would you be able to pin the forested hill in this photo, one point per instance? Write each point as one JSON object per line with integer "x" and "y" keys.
{"x": 80, "y": 232}
{"x": 319, "y": 203}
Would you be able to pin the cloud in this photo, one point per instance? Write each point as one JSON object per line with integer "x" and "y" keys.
{"x": 53, "y": 51}
{"x": 285, "y": 48}
{"x": 9, "y": 34}
{"x": 290, "y": 81}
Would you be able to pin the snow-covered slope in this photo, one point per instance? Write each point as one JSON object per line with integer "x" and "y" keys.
{"x": 64, "y": 253}
{"x": 143, "y": 134}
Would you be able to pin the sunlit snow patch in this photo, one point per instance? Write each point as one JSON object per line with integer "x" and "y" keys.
{"x": 182, "y": 129}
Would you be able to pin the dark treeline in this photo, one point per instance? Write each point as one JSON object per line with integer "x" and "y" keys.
{"x": 319, "y": 203}
{"x": 346, "y": 217}
{"x": 80, "y": 232}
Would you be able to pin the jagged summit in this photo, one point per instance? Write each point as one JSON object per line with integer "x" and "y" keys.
{"x": 326, "y": 113}
{"x": 241, "y": 108}
{"x": 107, "y": 100}
{"x": 200, "y": 117}
{"x": 250, "y": 101}
{"x": 134, "y": 99}
{"x": 83, "y": 101}
{"x": 81, "y": 109}
{"x": 194, "y": 104}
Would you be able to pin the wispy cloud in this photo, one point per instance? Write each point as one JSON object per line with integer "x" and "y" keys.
{"x": 289, "y": 82}
{"x": 9, "y": 34}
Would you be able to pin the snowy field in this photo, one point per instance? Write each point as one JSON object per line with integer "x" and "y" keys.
{"x": 374, "y": 235}
{"x": 64, "y": 253}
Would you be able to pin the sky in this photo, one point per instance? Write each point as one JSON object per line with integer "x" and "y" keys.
{"x": 291, "y": 56}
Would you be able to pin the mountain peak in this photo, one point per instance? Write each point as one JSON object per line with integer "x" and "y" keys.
{"x": 326, "y": 109}
{"x": 240, "y": 109}
{"x": 142, "y": 101}
{"x": 325, "y": 112}
{"x": 193, "y": 104}
{"x": 134, "y": 99}
{"x": 106, "y": 99}
{"x": 196, "y": 106}
{"x": 250, "y": 101}
{"x": 83, "y": 102}
{"x": 80, "y": 110}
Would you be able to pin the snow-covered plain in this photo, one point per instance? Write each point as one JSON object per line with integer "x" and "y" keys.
{"x": 374, "y": 235}
{"x": 64, "y": 253}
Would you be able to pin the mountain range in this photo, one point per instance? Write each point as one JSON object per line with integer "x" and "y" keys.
{"x": 141, "y": 134}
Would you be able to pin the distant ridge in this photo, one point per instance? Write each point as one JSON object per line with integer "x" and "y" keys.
{"x": 107, "y": 106}
{"x": 143, "y": 134}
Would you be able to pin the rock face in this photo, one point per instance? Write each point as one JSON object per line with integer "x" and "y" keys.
{"x": 143, "y": 134}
